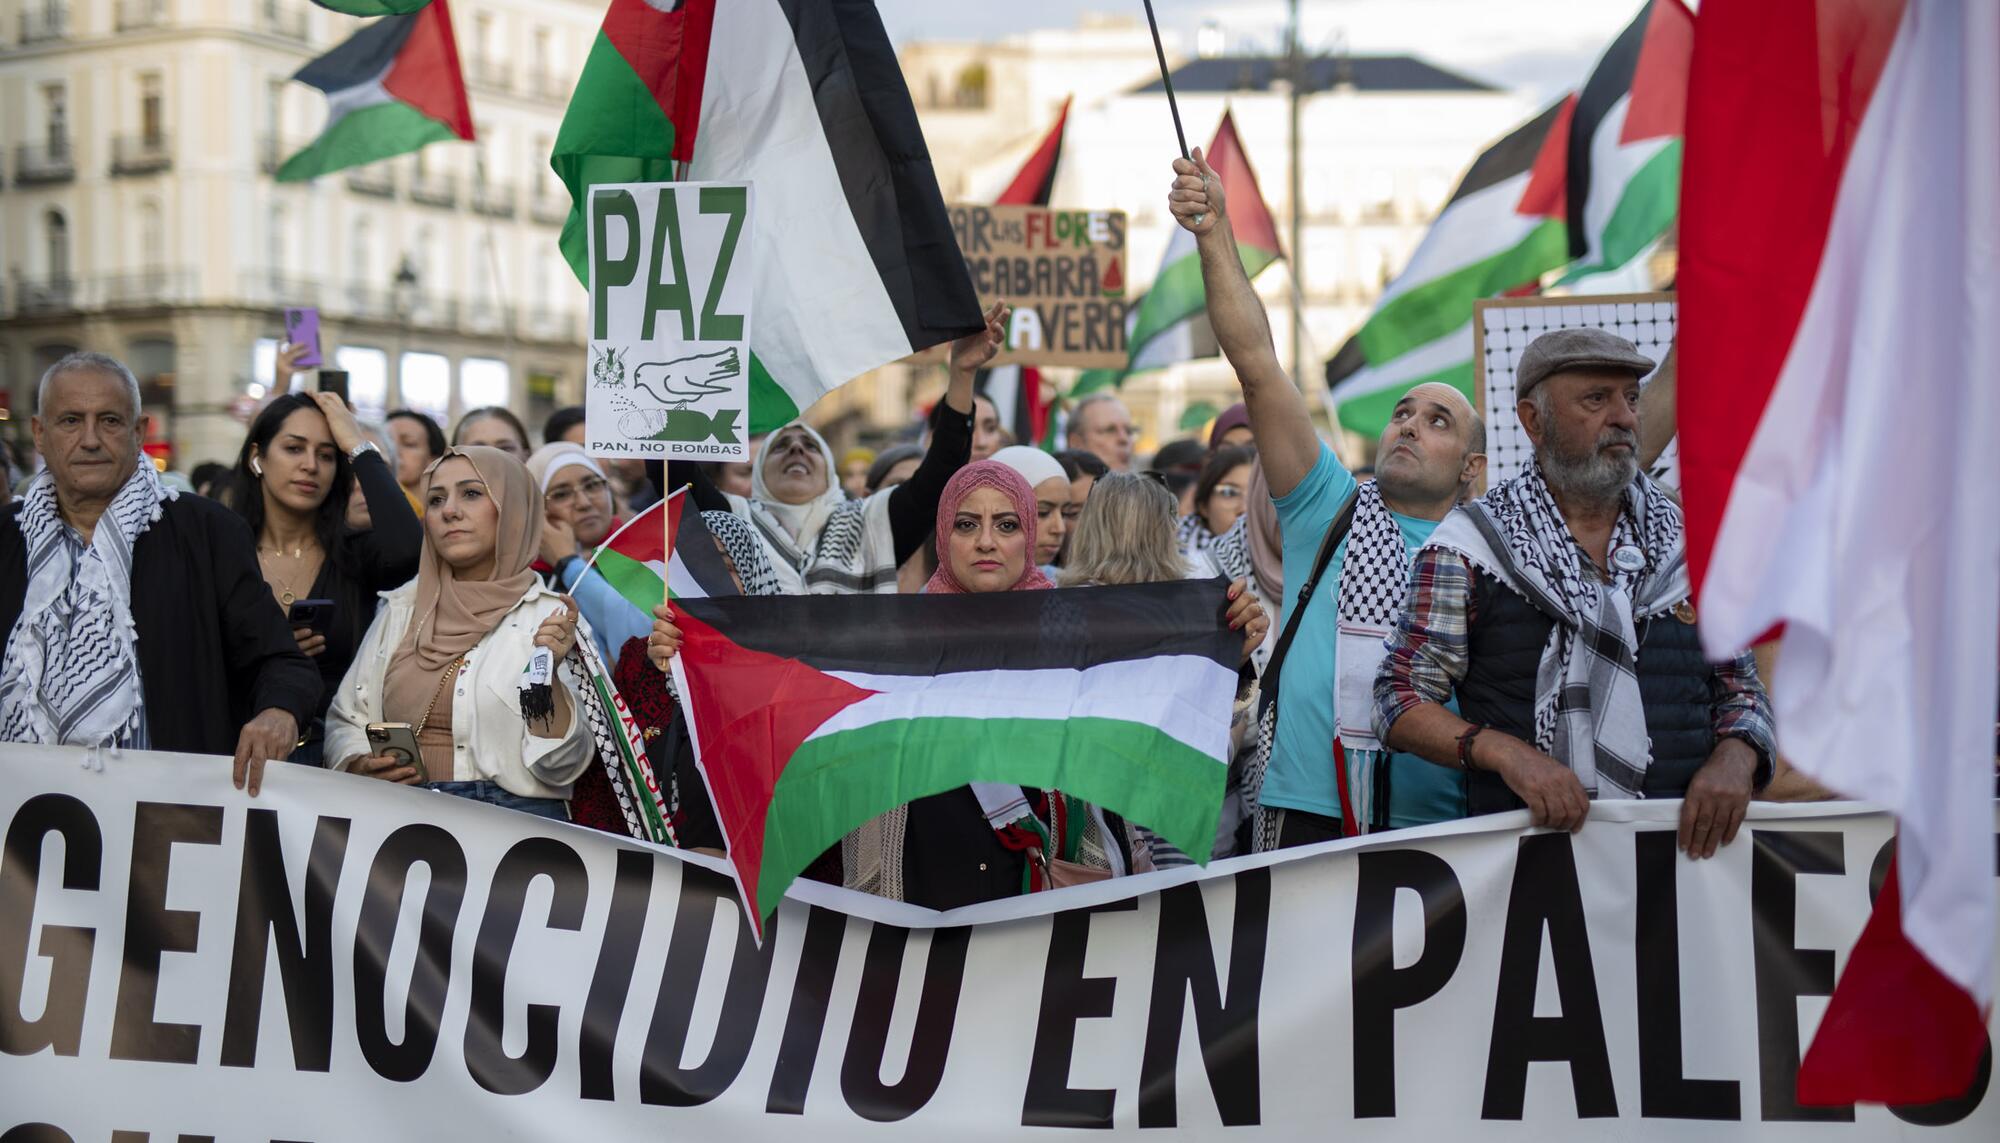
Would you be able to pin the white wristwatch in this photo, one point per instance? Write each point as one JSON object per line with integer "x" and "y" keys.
{"x": 365, "y": 446}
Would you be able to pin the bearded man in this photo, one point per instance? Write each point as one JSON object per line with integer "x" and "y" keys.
{"x": 1555, "y": 610}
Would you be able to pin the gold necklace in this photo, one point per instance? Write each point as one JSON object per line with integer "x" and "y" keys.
{"x": 287, "y": 594}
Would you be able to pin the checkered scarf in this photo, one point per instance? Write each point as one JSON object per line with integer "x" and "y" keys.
{"x": 71, "y": 673}
{"x": 1373, "y": 575}
{"x": 1588, "y": 714}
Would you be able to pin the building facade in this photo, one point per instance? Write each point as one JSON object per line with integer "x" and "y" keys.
{"x": 139, "y": 216}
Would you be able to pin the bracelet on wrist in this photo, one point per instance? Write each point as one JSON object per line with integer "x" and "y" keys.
{"x": 1465, "y": 740}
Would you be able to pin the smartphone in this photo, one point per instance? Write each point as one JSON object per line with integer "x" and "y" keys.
{"x": 397, "y": 740}
{"x": 302, "y": 328}
{"x": 334, "y": 381}
{"x": 313, "y": 613}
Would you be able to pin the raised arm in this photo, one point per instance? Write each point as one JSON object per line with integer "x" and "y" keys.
{"x": 1286, "y": 442}
{"x": 913, "y": 504}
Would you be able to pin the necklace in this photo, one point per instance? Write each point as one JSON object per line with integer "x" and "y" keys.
{"x": 287, "y": 585}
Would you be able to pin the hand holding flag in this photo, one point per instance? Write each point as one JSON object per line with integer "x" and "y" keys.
{"x": 1197, "y": 200}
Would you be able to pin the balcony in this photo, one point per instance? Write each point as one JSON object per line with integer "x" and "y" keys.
{"x": 51, "y": 295}
{"x": 142, "y": 154}
{"x": 377, "y": 180}
{"x": 138, "y": 15}
{"x": 43, "y": 22}
{"x": 547, "y": 323}
{"x": 434, "y": 190}
{"x": 483, "y": 315}
{"x": 485, "y": 71}
{"x": 40, "y": 163}
{"x": 550, "y": 209}
{"x": 146, "y": 288}
{"x": 495, "y": 200}
{"x": 432, "y": 312}
{"x": 282, "y": 19}
{"x": 545, "y": 84}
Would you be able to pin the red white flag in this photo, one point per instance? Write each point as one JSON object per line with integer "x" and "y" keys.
{"x": 1840, "y": 329}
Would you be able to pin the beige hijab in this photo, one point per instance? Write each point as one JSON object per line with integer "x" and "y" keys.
{"x": 452, "y": 615}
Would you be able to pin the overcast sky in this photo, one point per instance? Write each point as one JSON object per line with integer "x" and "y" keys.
{"x": 1541, "y": 46}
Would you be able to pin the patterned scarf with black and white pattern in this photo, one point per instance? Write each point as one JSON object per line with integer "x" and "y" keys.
{"x": 1588, "y": 713}
{"x": 71, "y": 673}
{"x": 1373, "y": 575}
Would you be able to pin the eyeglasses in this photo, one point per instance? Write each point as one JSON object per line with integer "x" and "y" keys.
{"x": 1226, "y": 492}
{"x": 589, "y": 489}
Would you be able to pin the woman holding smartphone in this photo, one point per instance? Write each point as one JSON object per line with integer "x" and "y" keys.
{"x": 291, "y": 485}
{"x": 445, "y": 671}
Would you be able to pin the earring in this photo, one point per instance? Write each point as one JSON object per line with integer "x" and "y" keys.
{"x": 256, "y": 469}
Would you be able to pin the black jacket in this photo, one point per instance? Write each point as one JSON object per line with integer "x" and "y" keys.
{"x": 380, "y": 559}
{"x": 214, "y": 649}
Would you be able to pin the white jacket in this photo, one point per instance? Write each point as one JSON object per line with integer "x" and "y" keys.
{"x": 490, "y": 738}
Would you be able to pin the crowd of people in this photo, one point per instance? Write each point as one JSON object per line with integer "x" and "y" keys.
{"x": 376, "y": 598}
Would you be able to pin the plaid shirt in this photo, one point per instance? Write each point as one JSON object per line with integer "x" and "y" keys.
{"x": 1429, "y": 654}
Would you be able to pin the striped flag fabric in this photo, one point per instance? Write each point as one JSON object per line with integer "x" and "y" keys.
{"x": 391, "y": 88}
{"x": 813, "y": 714}
{"x": 1505, "y": 225}
{"x": 1837, "y": 415}
{"x": 853, "y": 257}
{"x": 1170, "y": 324}
{"x": 372, "y": 7}
{"x": 1625, "y": 144}
{"x": 1016, "y": 390}
{"x": 635, "y": 561}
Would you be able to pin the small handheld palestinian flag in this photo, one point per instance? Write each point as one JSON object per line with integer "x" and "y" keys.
{"x": 393, "y": 87}
{"x": 812, "y": 714}
{"x": 636, "y": 562}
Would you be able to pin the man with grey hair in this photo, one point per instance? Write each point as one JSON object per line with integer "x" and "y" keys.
{"x": 1347, "y": 546}
{"x": 134, "y": 616}
{"x": 1555, "y": 610}
{"x": 1101, "y": 426}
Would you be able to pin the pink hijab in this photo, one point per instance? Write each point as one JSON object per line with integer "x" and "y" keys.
{"x": 985, "y": 474}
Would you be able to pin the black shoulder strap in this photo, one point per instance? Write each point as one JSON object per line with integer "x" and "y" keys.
{"x": 1335, "y": 533}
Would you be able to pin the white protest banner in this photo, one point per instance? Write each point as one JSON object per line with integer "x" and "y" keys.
{"x": 670, "y": 303}
{"x": 340, "y": 958}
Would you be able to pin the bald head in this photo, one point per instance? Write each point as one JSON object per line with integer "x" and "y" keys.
{"x": 1432, "y": 448}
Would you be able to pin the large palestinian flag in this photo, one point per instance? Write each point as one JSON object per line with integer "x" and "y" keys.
{"x": 854, "y": 260}
{"x": 391, "y": 88}
{"x": 1503, "y": 228}
{"x": 1170, "y": 323}
{"x": 1625, "y": 143}
{"x": 1839, "y": 321}
{"x": 812, "y": 714}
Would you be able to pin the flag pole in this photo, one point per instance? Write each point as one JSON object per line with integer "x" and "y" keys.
{"x": 1167, "y": 81}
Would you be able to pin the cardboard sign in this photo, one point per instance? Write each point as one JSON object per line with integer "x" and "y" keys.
{"x": 1062, "y": 270}
{"x": 669, "y": 320}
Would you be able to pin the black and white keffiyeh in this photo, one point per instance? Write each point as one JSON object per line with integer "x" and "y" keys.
{"x": 71, "y": 672}
{"x": 739, "y": 539}
{"x": 1192, "y": 536}
{"x": 1588, "y": 713}
{"x": 1373, "y": 576}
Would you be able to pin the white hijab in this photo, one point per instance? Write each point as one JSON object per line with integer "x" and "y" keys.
{"x": 802, "y": 522}
{"x": 807, "y": 553}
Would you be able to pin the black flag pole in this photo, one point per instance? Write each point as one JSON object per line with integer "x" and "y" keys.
{"x": 1167, "y": 81}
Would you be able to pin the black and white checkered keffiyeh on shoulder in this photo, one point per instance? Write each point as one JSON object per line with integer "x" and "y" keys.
{"x": 1588, "y": 714}
{"x": 739, "y": 539}
{"x": 71, "y": 673}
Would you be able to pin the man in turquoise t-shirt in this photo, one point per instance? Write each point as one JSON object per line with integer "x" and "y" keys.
{"x": 1430, "y": 453}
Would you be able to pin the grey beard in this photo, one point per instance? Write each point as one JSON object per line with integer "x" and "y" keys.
{"x": 1596, "y": 478}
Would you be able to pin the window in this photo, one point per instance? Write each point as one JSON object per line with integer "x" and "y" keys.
{"x": 274, "y": 109}
{"x": 55, "y": 115}
{"x": 274, "y": 245}
{"x": 361, "y": 254}
{"x": 152, "y": 108}
{"x": 426, "y": 384}
{"x": 263, "y": 366}
{"x": 152, "y": 238}
{"x": 57, "y": 228}
{"x": 544, "y": 145}
{"x": 482, "y": 381}
{"x": 482, "y": 39}
{"x": 367, "y": 379}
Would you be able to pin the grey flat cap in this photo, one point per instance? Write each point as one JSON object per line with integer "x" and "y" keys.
{"x": 1560, "y": 350}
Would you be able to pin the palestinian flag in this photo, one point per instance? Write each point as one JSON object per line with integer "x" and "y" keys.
{"x": 854, "y": 259}
{"x": 1625, "y": 142}
{"x": 635, "y": 561}
{"x": 813, "y": 714}
{"x": 390, "y": 89}
{"x": 1503, "y": 228}
{"x": 1016, "y": 390}
{"x": 372, "y": 7}
{"x": 1170, "y": 324}
{"x": 1836, "y": 280}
